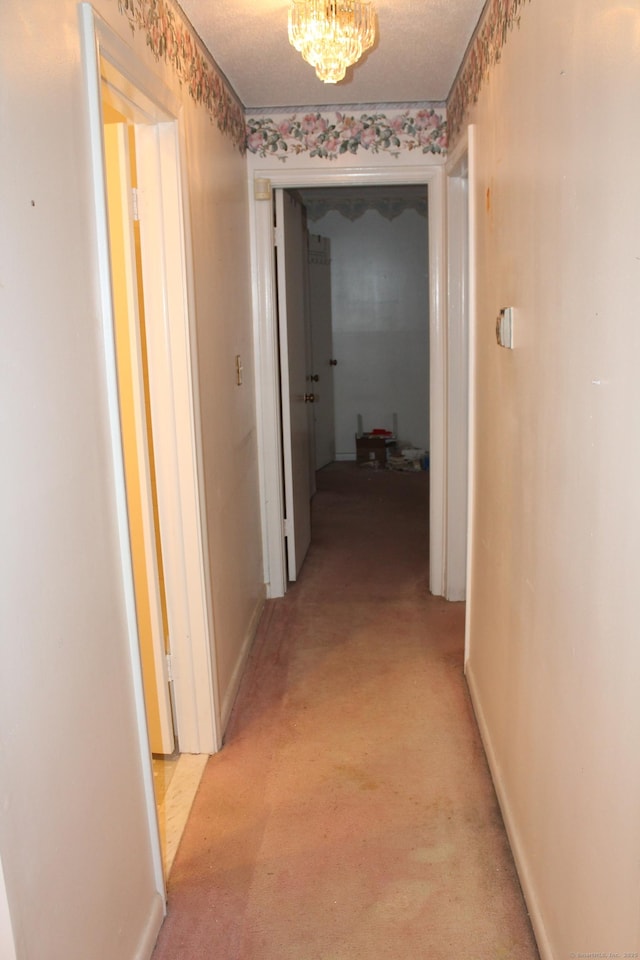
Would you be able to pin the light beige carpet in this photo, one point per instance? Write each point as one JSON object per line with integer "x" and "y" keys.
{"x": 350, "y": 815}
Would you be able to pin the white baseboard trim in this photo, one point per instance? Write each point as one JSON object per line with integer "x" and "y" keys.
{"x": 517, "y": 848}
{"x": 232, "y": 691}
{"x": 150, "y": 933}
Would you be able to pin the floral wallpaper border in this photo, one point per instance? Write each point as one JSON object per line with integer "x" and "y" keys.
{"x": 329, "y": 135}
{"x": 316, "y": 131}
{"x": 500, "y": 17}
{"x": 172, "y": 39}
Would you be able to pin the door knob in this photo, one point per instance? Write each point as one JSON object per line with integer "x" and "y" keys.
{"x": 314, "y": 377}
{"x": 309, "y": 398}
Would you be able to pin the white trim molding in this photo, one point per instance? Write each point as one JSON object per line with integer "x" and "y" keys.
{"x": 472, "y": 387}
{"x": 266, "y": 339}
{"x": 108, "y": 60}
{"x": 457, "y": 442}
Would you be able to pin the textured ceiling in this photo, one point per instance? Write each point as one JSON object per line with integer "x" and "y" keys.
{"x": 419, "y": 48}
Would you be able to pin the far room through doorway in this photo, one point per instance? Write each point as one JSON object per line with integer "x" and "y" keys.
{"x": 367, "y": 329}
{"x": 379, "y": 303}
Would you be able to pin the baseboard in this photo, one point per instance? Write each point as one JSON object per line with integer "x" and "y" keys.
{"x": 517, "y": 847}
{"x": 234, "y": 685}
{"x": 150, "y": 933}
{"x": 343, "y": 457}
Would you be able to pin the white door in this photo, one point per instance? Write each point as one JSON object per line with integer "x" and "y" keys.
{"x": 137, "y": 440}
{"x": 291, "y": 254}
{"x": 322, "y": 360}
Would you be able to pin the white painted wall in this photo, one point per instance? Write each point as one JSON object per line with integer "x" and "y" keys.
{"x": 74, "y": 841}
{"x": 380, "y": 316}
{"x": 554, "y": 655}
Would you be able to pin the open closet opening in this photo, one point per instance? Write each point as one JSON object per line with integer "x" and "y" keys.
{"x": 144, "y": 300}
{"x": 129, "y": 150}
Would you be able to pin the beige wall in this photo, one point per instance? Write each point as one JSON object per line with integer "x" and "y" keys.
{"x": 220, "y": 238}
{"x": 74, "y": 844}
{"x": 554, "y": 653}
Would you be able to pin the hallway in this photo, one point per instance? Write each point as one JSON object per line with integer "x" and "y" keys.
{"x": 350, "y": 813}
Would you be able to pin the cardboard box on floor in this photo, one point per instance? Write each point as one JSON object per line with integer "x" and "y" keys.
{"x": 372, "y": 449}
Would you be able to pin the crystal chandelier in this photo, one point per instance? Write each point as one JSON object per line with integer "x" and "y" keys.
{"x": 331, "y": 34}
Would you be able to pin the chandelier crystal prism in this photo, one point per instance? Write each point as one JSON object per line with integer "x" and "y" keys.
{"x": 331, "y": 35}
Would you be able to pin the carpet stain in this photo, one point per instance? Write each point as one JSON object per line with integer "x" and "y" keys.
{"x": 403, "y": 901}
{"x": 439, "y": 853}
{"x": 356, "y": 775}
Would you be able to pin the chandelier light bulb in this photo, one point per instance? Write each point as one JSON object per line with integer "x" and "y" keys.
{"x": 331, "y": 35}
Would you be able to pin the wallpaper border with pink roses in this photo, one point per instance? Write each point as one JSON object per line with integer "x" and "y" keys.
{"x": 171, "y": 38}
{"x": 318, "y": 131}
{"x": 483, "y": 53}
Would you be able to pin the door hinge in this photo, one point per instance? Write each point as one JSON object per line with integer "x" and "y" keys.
{"x": 169, "y": 659}
{"x": 286, "y": 528}
{"x": 135, "y": 204}
{"x": 277, "y": 236}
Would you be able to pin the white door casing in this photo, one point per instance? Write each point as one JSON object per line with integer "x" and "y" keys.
{"x": 468, "y": 146}
{"x": 97, "y": 39}
{"x": 291, "y": 255}
{"x": 176, "y": 449}
{"x": 137, "y": 461}
{"x": 266, "y": 340}
{"x": 107, "y": 60}
{"x": 458, "y": 398}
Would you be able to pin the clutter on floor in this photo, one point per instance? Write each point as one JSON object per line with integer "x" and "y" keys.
{"x": 408, "y": 459}
{"x": 379, "y": 449}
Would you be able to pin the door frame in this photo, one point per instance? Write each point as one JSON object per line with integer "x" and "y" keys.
{"x": 460, "y": 253}
{"x": 262, "y": 181}
{"x": 293, "y": 360}
{"x": 132, "y": 377}
{"x": 179, "y": 460}
{"x": 464, "y": 156}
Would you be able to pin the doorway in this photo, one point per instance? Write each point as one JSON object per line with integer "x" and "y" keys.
{"x": 175, "y": 775}
{"x": 143, "y": 114}
{"x": 370, "y": 339}
{"x": 134, "y": 396}
{"x": 379, "y": 311}
{"x": 268, "y": 360}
